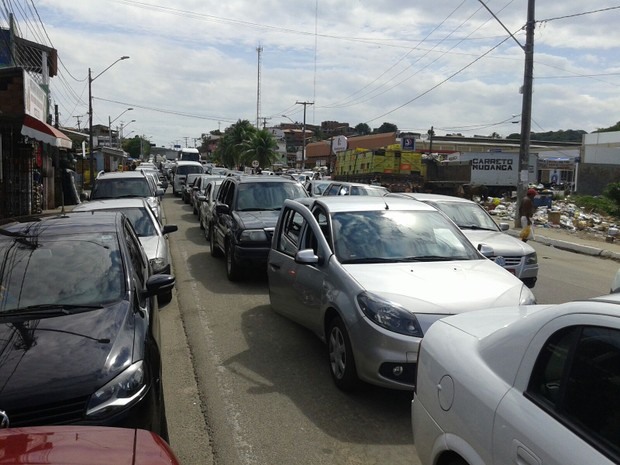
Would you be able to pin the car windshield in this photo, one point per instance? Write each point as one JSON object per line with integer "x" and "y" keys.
{"x": 467, "y": 215}
{"x": 117, "y": 188}
{"x": 81, "y": 269}
{"x": 267, "y": 195}
{"x": 397, "y": 236}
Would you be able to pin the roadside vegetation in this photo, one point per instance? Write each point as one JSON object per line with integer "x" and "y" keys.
{"x": 606, "y": 204}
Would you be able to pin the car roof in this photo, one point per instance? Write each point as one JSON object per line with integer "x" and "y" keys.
{"x": 133, "y": 202}
{"x": 360, "y": 184}
{"x": 188, "y": 162}
{"x": 251, "y": 178}
{"x": 431, "y": 197}
{"x": 349, "y": 203}
{"x": 121, "y": 174}
{"x": 65, "y": 224}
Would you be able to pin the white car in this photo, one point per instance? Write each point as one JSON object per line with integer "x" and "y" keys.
{"x": 510, "y": 252}
{"x": 369, "y": 275}
{"x": 152, "y": 235}
{"x": 521, "y": 385}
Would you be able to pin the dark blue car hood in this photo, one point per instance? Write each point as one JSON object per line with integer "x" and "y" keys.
{"x": 54, "y": 359}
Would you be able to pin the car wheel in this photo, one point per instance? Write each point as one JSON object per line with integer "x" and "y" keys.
{"x": 529, "y": 282}
{"x": 456, "y": 461}
{"x": 202, "y": 224}
{"x": 215, "y": 251}
{"x": 208, "y": 232}
{"x": 232, "y": 267}
{"x": 341, "y": 361}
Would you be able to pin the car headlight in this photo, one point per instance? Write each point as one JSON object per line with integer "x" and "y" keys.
{"x": 389, "y": 315}
{"x": 152, "y": 201}
{"x": 531, "y": 259}
{"x": 527, "y": 297}
{"x": 157, "y": 265}
{"x": 253, "y": 235}
{"x": 124, "y": 390}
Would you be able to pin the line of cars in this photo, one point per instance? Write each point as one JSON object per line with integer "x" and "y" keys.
{"x": 80, "y": 295}
{"x": 401, "y": 290}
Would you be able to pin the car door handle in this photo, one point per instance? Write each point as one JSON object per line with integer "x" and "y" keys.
{"x": 274, "y": 266}
{"x": 526, "y": 456}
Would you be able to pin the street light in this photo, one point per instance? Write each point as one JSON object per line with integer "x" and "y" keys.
{"x": 120, "y": 132}
{"x": 110, "y": 121}
{"x": 90, "y": 116}
{"x": 284, "y": 116}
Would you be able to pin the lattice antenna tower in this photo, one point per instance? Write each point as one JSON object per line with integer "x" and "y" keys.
{"x": 259, "y": 50}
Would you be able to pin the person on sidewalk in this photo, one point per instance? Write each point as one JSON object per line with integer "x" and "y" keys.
{"x": 526, "y": 211}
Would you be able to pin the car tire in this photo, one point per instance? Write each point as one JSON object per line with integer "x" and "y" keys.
{"x": 200, "y": 221}
{"x": 233, "y": 271}
{"x": 456, "y": 461}
{"x": 341, "y": 361}
{"x": 215, "y": 251}
{"x": 529, "y": 282}
{"x": 208, "y": 232}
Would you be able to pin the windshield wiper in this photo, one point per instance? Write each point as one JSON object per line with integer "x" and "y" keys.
{"x": 48, "y": 309}
{"x": 427, "y": 258}
{"x": 369, "y": 260}
{"x": 475, "y": 227}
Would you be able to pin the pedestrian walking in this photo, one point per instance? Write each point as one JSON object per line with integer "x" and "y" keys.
{"x": 526, "y": 212}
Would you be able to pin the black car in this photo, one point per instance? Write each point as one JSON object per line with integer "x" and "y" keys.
{"x": 244, "y": 217}
{"x": 79, "y": 324}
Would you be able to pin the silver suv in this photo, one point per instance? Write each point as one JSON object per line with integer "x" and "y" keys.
{"x": 479, "y": 227}
{"x": 128, "y": 184}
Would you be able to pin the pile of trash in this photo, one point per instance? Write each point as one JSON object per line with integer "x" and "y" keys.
{"x": 561, "y": 214}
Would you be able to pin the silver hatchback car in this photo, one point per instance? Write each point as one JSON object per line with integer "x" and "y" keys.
{"x": 370, "y": 275}
{"x": 480, "y": 228}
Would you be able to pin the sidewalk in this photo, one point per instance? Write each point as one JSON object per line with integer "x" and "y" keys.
{"x": 578, "y": 242}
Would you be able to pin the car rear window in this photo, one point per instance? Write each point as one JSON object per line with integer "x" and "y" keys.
{"x": 119, "y": 187}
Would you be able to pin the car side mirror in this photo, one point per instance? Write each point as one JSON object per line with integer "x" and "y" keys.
{"x": 306, "y": 257}
{"x": 486, "y": 250}
{"x": 222, "y": 209}
{"x": 168, "y": 228}
{"x": 504, "y": 226}
{"x": 159, "y": 192}
{"x": 159, "y": 284}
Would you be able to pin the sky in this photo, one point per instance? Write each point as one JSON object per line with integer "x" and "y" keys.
{"x": 200, "y": 65}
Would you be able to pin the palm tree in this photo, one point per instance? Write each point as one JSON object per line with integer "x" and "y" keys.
{"x": 260, "y": 146}
{"x": 231, "y": 146}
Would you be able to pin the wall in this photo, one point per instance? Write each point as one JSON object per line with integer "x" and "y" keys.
{"x": 593, "y": 178}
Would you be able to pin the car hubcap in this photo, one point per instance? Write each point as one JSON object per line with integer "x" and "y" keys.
{"x": 337, "y": 353}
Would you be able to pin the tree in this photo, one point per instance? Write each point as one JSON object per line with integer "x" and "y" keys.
{"x": 231, "y": 147}
{"x": 387, "y": 127}
{"x": 363, "y": 129}
{"x": 260, "y": 146}
{"x": 134, "y": 146}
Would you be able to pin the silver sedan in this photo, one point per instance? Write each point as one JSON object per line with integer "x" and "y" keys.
{"x": 369, "y": 275}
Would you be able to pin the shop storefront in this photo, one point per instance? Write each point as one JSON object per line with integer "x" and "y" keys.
{"x": 31, "y": 149}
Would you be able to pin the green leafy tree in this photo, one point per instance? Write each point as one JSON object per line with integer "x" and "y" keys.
{"x": 363, "y": 129}
{"x": 612, "y": 192}
{"x": 387, "y": 127}
{"x": 260, "y": 146}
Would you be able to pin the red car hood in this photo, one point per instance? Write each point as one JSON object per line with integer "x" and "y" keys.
{"x": 92, "y": 445}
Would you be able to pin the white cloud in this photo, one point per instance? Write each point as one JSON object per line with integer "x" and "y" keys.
{"x": 193, "y": 65}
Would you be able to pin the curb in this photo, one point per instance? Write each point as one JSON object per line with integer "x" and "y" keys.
{"x": 572, "y": 246}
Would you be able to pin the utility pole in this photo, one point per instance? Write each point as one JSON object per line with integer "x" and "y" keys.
{"x": 77, "y": 117}
{"x": 303, "y": 146}
{"x": 526, "y": 111}
{"x": 264, "y": 118}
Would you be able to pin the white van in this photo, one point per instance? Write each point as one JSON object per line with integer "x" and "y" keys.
{"x": 188, "y": 154}
{"x": 180, "y": 172}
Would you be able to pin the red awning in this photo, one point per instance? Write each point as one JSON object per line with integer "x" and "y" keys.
{"x": 37, "y": 129}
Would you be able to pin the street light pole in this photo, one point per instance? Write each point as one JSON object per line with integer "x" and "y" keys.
{"x": 110, "y": 121}
{"x": 90, "y": 116}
